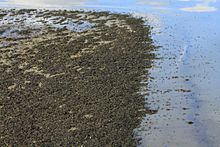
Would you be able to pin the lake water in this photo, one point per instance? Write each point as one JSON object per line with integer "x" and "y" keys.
{"x": 184, "y": 81}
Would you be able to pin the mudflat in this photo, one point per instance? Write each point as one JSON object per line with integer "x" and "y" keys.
{"x": 71, "y": 78}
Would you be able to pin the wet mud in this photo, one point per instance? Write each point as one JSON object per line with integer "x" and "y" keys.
{"x": 70, "y": 78}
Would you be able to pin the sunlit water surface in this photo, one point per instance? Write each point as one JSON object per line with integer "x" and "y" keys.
{"x": 184, "y": 82}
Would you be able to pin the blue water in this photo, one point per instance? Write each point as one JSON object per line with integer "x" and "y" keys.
{"x": 137, "y": 5}
{"x": 188, "y": 32}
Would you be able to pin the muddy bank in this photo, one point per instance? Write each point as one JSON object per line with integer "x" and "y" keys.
{"x": 71, "y": 78}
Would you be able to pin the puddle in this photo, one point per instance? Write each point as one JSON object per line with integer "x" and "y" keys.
{"x": 19, "y": 24}
{"x": 182, "y": 93}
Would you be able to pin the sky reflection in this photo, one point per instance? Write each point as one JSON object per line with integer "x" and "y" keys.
{"x": 44, "y": 3}
{"x": 201, "y": 6}
{"x": 183, "y": 5}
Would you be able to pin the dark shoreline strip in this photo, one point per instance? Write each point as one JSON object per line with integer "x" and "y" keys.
{"x": 95, "y": 101}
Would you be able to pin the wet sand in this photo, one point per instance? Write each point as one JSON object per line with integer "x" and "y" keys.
{"x": 72, "y": 86}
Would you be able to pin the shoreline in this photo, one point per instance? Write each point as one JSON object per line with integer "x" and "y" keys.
{"x": 66, "y": 87}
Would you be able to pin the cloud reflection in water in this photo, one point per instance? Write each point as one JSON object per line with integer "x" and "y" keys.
{"x": 45, "y": 3}
{"x": 183, "y": 5}
{"x": 201, "y": 6}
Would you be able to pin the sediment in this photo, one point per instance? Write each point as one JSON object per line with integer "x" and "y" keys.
{"x": 74, "y": 88}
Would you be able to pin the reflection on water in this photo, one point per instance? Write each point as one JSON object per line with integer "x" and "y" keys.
{"x": 14, "y": 26}
{"x": 184, "y": 84}
{"x": 158, "y": 3}
{"x": 44, "y": 3}
{"x": 202, "y": 6}
{"x": 199, "y": 8}
{"x": 184, "y": 5}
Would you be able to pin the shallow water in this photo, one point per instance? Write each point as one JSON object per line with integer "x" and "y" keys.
{"x": 19, "y": 26}
{"x": 184, "y": 83}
